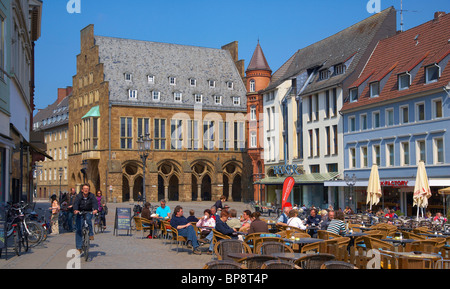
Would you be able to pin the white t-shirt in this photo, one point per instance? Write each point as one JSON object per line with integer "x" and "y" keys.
{"x": 296, "y": 222}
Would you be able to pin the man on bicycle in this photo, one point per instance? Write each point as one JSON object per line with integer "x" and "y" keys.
{"x": 84, "y": 202}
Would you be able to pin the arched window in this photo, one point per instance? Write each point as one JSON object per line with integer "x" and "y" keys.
{"x": 252, "y": 85}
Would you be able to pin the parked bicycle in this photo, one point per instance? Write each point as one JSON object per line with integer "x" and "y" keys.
{"x": 16, "y": 228}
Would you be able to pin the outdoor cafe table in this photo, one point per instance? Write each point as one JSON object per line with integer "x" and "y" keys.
{"x": 438, "y": 235}
{"x": 239, "y": 256}
{"x": 289, "y": 256}
{"x": 402, "y": 242}
{"x": 303, "y": 241}
{"x": 430, "y": 256}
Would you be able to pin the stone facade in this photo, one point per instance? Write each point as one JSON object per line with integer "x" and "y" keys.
{"x": 106, "y": 121}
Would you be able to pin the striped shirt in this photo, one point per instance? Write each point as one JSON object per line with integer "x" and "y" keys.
{"x": 336, "y": 226}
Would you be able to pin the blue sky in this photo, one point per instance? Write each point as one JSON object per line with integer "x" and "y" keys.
{"x": 282, "y": 26}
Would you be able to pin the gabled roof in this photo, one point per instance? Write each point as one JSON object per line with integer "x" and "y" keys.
{"x": 346, "y": 47}
{"x": 258, "y": 61}
{"x": 410, "y": 51}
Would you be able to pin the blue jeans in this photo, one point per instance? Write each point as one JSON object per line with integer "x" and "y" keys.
{"x": 70, "y": 220}
{"x": 209, "y": 238}
{"x": 78, "y": 224}
{"x": 189, "y": 233}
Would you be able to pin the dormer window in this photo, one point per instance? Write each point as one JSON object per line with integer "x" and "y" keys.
{"x": 198, "y": 98}
{"x": 339, "y": 69}
{"x": 212, "y": 83}
{"x": 172, "y": 80}
{"x": 404, "y": 81}
{"x": 151, "y": 79}
{"x": 193, "y": 82}
{"x": 128, "y": 76}
{"x": 433, "y": 73}
{"x": 236, "y": 100}
{"x": 324, "y": 74}
{"x": 375, "y": 89}
{"x": 177, "y": 97}
{"x": 218, "y": 99}
{"x": 132, "y": 94}
{"x": 230, "y": 84}
{"x": 156, "y": 95}
{"x": 353, "y": 94}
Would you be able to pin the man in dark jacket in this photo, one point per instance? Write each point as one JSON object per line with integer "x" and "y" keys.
{"x": 84, "y": 202}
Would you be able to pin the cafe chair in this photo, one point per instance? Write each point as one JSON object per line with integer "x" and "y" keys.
{"x": 410, "y": 235}
{"x": 406, "y": 262}
{"x": 165, "y": 229}
{"x": 226, "y": 246}
{"x": 313, "y": 247}
{"x": 314, "y": 261}
{"x": 267, "y": 248}
{"x": 337, "y": 265}
{"x": 373, "y": 243}
{"x": 429, "y": 245}
{"x": 177, "y": 238}
{"x": 259, "y": 240}
{"x": 256, "y": 261}
{"x": 279, "y": 264}
{"x": 143, "y": 225}
{"x": 217, "y": 236}
{"x": 223, "y": 264}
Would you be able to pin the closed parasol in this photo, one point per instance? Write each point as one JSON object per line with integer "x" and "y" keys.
{"x": 422, "y": 189}
{"x": 374, "y": 187}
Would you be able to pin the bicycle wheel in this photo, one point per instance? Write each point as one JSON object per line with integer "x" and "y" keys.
{"x": 36, "y": 232}
{"x": 97, "y": 224}
{"x": 86, "y": 244}
{"x": 24, "y": 239}
{"x": 17, "y": 242}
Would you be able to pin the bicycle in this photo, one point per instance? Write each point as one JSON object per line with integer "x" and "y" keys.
{"x": 86, "y": 243}
{"x": 98, "y": 224}
{"x": 16, "y": 228}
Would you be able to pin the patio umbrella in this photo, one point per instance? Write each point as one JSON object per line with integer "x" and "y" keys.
{"x": 422, "y": 189}
{"x": 374, "y": 187}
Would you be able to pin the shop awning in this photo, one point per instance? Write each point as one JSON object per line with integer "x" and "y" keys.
{"x": 94, "y": 112}
{"x": 315, "y": 178}
{"x": 386, "y": 182}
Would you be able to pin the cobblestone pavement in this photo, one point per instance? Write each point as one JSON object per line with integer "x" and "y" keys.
{"x": 115, "y": 252}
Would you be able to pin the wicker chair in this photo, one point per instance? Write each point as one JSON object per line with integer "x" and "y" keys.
{"x": 165, "y": 229}
{"x": 257, "y": 241}
{"x": 143, "y": 225}
{"x": 410, "y": 235}
{"x": 373, "y": 243}
{"x": 223, "y": 264}
{"x": 279, "y": 264}
{"x": 267, "y": 248}
{"x": 422, "y": 230}
{"x": 250, "y": 239}
{"x": 217, "y": 236}
{"x": 177, "y": 238}
{"x": 337, "y": 265}
{"x": 429, "y": 245}
{"x": 314, "y": 261}
{"x": 315, "y": 247}
{"x": 405, "y": 262}
{"x": 226, "y": 246}
{"x": 256, "y": 261}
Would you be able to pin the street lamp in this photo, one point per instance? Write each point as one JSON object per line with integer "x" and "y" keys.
{"x": 350, "y": 183}
{"x": 144, "y": 145}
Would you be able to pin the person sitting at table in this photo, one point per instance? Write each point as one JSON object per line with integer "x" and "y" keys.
{"x": 391, "y": 215}
{"x": 257, "y": 225}
{"x": 163, "y": 211}
{"x": 326, "y": 222}
{"x": 214, "y": 213}
{"x": 233, "y": 221}
{"x": 439, "y": 218}
{"x": 192, "y": 218}
{"x": 294, "y": 220}
{"x": 185, "y": 229}
{"x": 337, "y": 224}
{"x": 206, "y": 224}
{"x": 222, "y": 227}
{"x": 312, "y": 222}
{"x": 246, "y": 221}
{"x": 283, "y": 219}
{"x": 146, "y": 214}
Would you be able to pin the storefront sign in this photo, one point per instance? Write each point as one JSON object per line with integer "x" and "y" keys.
{"x": 285, "y": 170}
{"x": 394, "y": 183}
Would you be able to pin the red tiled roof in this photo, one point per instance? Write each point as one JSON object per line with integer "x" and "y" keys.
{"x": 403, "y": 52}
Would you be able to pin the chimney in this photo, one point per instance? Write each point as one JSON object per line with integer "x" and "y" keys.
{"x": 63, "y": 93}
{"x": 438, "y": 14}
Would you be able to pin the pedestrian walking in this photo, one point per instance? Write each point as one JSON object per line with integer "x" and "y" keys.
{"x": 55, "y": 215}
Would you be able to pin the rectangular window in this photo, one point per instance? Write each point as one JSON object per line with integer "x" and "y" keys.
{"x": 316, "y": 108}
{"x": 405, "y": 153}
{"x": 156, "y": 95}
{"x": 239, "y": 136}
{"x": 218, "y": 99}
{"x": 376, "y": 119}
{"x": 335, "y": 139}
{"x": 128, "y": 77}
{"x": 151, "y": 79}
{"x": 160, "y": 134}
{"x": 310, "y": 110}
{"x": 230, "y": 85}
{"x": 404, "y": 110}
{"x": 315, "y": 169}
{"x": 253, "y": 140}
{"x": 389, "y": 117}
{"x": 192, "y": 137}
{"x": 208, "y": 135}
{"x": 126, "y": 133}
{"x": 253, "y": 113}
{"x": 354, "y": 95}
{"x": 324, "y": 74}
{"x": 132, "y": 94}
{"x": 198, "y": 98}
{"x": 236, "y": 100}
{"x": 420, "y": 112}
{"x": 404, "y": 81}
{"x": 351, "y": 124}
{"x": 390, "y": 155}
{"x": 311, "y": 143}
{"x": 352, "y": 158}
{"x": 212, "y": 83}
{"x": 364, "y": 163}
{"x": 172, "y": 80}
{"x": 224, "y": 136}
{"x": 421, "y": 151}
{"x": 143, "y": 126}
{"x": 363, "y": 123}
{"x": 328, "y": 136}
{"x": 317, "y": 142}
{"x": 177, "y": 97}
{"x": 334, "y": 101}
{"x": 374, "y": 89}
{"x": 2, "y": 45}
{"x": 376, "y": 155}
{"x": 332, "y": 168}
{"x": 438, "y": 151}
{"x": 437, "y": 108}
{"x": 176, "y": 134}
{"x": 193, "y": 82}
{"x": 339, "y": 69}
{"x": 327, "y": 104}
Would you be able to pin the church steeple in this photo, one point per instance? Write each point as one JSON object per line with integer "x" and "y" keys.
{"x": 258, "y": 72}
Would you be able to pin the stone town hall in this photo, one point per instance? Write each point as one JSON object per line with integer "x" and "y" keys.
{"x": 190, "y": 100}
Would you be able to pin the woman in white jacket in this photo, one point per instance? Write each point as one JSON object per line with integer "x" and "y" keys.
{"x": 294, "y": 220}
